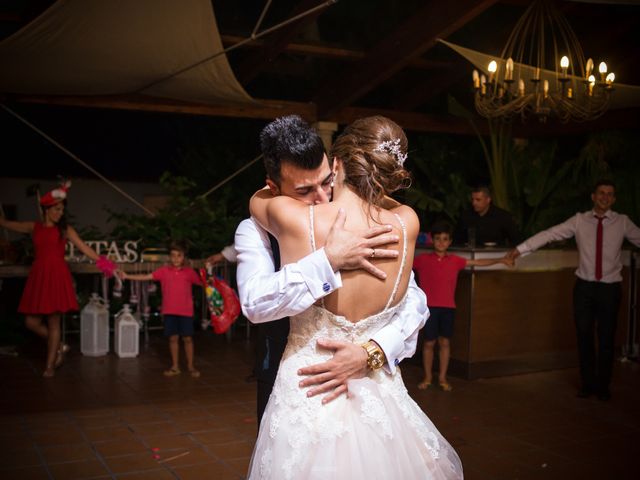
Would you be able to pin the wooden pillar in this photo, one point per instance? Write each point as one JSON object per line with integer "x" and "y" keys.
{"x": 326, "y": 131}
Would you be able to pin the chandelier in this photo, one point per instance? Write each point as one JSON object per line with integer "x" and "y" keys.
{"x": 542, "y": 72}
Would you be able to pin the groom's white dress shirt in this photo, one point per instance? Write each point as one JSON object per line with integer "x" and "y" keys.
{"x": 267, "y": 295}
{"x": 583, "y": 226}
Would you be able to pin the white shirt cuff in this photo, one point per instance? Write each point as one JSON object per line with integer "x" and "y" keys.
{"x": 317, "y": 273}
{"x": 230, "y": 254}
{"x": 391, "y": 345}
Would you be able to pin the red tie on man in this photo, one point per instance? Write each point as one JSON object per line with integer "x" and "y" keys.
{"x": 599, "y": 249}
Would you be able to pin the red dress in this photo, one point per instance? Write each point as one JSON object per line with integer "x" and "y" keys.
{"x": 49, "y": 288}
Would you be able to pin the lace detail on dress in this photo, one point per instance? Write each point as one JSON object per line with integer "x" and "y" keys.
{"x": 265, "y": 464}
{"x": 373, "y": 413}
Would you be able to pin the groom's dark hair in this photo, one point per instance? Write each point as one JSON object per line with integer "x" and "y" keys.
{"x": 290, "y": 139}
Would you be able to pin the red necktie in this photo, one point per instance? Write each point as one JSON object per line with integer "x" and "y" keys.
{"x": 599, "y": 248}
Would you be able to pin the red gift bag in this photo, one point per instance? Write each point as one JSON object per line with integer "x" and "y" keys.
{"x": 221, "y": 318}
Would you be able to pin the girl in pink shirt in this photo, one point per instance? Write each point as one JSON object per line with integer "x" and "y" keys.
{"x": 177, "y": 305}
{"x": 437, "y": 274}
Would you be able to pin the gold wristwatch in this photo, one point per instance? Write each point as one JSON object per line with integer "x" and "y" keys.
{"x": 375, "y": 356}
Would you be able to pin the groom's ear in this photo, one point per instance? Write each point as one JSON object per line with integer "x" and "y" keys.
{"x": 275, "y": 191}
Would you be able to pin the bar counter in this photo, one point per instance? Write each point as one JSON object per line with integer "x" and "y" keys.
{"x": 14, "y": 270}
{"x": 516, "y": 320}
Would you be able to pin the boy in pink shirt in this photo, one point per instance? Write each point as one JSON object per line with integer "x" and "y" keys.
{"x": 437, "y": 274}
{"x": 177, "y": 305}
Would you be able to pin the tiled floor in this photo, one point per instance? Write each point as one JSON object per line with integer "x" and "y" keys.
{"x": 111, "y": 418}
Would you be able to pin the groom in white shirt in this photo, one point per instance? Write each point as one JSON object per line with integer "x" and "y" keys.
{"x": 298, "y": 167}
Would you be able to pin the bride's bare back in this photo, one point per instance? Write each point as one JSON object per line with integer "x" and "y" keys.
{"x": 362, "y": 294}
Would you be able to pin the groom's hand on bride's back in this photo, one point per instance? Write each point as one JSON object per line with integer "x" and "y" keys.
{"x": 350, "y": 251}
{"x": 349, "y": 361}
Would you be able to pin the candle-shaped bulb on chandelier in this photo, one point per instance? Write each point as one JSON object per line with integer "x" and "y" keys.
{"x": 602, "y": 68}
{"x": 493, "y": 67}
{"x": 564, "y": 65}
{"x": 508, "y": 73}
{"x": 588, "y": 69}
{"x": 610, "y": 78}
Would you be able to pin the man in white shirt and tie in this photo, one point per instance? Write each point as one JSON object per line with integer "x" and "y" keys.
{"x": 297, "y": 166}
{"x": 599, "y": 235}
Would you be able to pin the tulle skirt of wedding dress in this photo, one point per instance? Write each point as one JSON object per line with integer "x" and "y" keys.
{"x": 379, "y": 432}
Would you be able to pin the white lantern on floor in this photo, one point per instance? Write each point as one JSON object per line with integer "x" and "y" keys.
{"x": 127, "y": 334}
{"x": 94, "y": 327}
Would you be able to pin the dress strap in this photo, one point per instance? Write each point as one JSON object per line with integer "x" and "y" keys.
{"x": 312, "y": 233}
{"x": 402, "y": 262}
{"x": 312, "y": 236}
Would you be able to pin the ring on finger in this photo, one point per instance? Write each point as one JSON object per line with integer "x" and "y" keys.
{"x": 373, "y": 253}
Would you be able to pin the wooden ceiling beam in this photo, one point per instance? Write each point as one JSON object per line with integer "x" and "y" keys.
{"x": 411, "y": 121}
{"x": 327, "y": 51}
{"x": 262, "y": 109}
{"x": 275, "y": 43}
{"x": 270, "y": 109}
{"x": 419, "y": 92}
{"x": 409, "y": 41}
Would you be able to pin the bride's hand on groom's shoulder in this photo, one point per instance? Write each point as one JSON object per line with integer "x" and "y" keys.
{"x": 349, "y": 362}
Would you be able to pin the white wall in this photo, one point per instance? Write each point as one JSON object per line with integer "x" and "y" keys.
{"x": 87, "y": 199}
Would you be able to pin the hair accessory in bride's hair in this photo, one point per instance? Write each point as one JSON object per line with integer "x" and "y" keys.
{"x": 392, "y": 147}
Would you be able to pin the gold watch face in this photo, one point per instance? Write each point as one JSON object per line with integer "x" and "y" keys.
{"x": 376, "y": 360}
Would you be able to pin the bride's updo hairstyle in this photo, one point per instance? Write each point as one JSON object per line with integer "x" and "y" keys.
{"x": 373, "y": 151}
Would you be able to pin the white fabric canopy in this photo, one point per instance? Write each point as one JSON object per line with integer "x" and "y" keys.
{"x": 108, "y": 47}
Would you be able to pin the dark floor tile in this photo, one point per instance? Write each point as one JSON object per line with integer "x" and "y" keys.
{"x": 19, "y": 458}
{"x": 221, "y": 435}
{"x": 77, "y": 470}
{"x": 232, "y": 450}
{"x": 122, "y": 432}
{"x": 155, "y": 428}
{"x": 159, "y": 474}
{"x": 25, "y": 473}
{"x": 168, "y": 441}
{"x": 120, "y": 447}
{"x": 47, "y": 438}
{"x": 192, "y": 456}
{"x": 132, "y": 463}
{"x": 68, "y": 453}
{"x": 206, "y": 470}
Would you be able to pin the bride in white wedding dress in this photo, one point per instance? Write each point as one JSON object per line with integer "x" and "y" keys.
{"x": 377, "y": 431}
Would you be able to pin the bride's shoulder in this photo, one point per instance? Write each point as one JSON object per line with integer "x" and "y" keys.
{"x": 408, "y": 216}
{"x": 285, "y": 210}
{"x": 272, "y": 212}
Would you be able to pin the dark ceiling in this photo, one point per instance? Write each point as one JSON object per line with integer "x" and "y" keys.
{"x": 358, "y": 57}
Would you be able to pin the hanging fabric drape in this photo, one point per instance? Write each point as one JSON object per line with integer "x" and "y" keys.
{"x": 93, "y": 47}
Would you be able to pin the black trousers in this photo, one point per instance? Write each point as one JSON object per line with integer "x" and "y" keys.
{"x": 272, "y": 340}
{"x": 595, "y": 306}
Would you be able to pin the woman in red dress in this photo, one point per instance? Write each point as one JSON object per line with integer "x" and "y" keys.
{"x": 49, "y": 291}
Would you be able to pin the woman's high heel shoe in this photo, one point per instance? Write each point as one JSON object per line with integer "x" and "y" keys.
{"x": 49, "y": 371}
